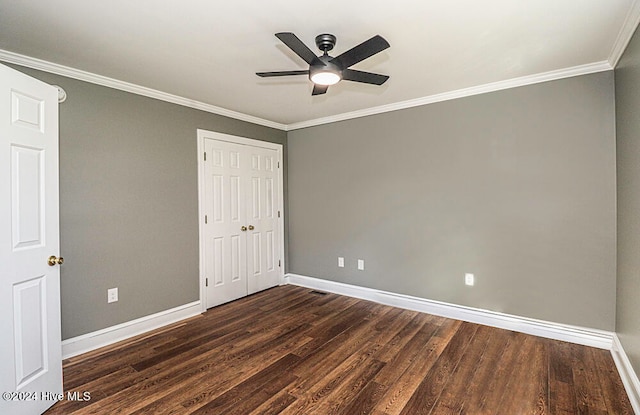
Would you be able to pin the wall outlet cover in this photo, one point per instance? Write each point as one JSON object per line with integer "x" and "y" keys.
{"x": 469, "y": 279}
{"x": 340, "y": 262}
{"x": 112, "y": 295}
{"x": 361, "y": 264}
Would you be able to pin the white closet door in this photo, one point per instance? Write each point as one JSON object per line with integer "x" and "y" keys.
{"x": 242, "y": 237}
{"x": 262, "y": 217}
{"x": 225, "y": 240}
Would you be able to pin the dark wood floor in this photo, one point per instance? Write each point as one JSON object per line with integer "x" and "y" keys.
{"x": 291, "y": 351}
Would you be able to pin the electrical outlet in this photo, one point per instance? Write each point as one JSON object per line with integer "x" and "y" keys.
{"x": 361, "y": 264}
{"x": 112, "y": 295}
{"x": 469, "y": 279}
{"x": 340, "y": 262}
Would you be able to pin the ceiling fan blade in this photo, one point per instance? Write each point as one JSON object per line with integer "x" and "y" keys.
{"x": 362, "y": 51}
{"x": 299, "y": 48}
{"x": 319, "y": 89}
{"x": 364, "y": 77}
{"x": 281, "y": 73}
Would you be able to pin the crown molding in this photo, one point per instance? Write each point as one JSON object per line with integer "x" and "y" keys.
{"x": 80, "y": 75}
{"x": 626, "y": 33}
{"x": 461, "y": 93}
{"x": 54, "y": 68}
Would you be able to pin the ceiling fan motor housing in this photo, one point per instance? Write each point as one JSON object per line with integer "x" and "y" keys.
{"x": 325, "y": 42}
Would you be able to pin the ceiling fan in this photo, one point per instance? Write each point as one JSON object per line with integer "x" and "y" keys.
{"x": 325, "y": 70}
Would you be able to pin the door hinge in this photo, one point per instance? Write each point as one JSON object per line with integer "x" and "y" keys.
{"x": 278, "y": 213}
{"x": 279, "y": 263}
{"x": 205, "y": 219}
{"x": 205, "y": 156}
{"x": 206, "y": 282}
{"x": 278, "y": 164}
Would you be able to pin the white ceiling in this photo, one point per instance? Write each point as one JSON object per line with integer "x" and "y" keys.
{"x": 208, "y": 51}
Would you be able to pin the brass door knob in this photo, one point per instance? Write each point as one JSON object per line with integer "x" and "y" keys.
{"x": 251, "y": 227}
{"x": 53, "y": 260}
{"x": 243, "y": 229}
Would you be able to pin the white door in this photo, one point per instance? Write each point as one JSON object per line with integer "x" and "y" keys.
{"x": 30, "y": 344}
{"x": 241, "y": 231}
{"x": 225, "y": 223}
{"x": 262, "y": 218}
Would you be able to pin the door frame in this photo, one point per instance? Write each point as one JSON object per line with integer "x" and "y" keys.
{"x": 212, "y": 135}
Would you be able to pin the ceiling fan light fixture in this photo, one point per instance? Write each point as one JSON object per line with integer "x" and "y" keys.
{"x": 326, "y": 70}
{"x": 325, "y": 78}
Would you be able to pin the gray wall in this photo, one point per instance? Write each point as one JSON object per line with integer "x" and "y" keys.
{"x": 129, "y": 202}
{"x": 628, "y": 156}
{"x": 516, "y": 186}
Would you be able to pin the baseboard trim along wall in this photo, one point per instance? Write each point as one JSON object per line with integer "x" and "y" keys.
{"x": 574, "y": 334}
{"x": 627, "y": 374}
{"x": 94, "y": 340}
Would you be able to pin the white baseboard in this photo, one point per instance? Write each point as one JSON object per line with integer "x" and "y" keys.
{"x": 574, "y": 334}
{"x": 627, "y": 374}
{"x": 94, "y": 340}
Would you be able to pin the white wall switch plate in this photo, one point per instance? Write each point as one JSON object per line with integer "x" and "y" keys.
{"x": 469, "y": 279}
{"x": 112, "y": 295}
{"x": 341, "y": 262}
{"x": 361, "y": 264}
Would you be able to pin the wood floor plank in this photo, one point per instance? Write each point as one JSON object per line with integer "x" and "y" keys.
{"x": 101, "y": 365}
{"x": 452, "y": 399}
{"x": 235, "y": 397}
{"x": 226, "y": 331}
{"x": 562, "y": 396}
{"x": 430, "y": 388}
{"x": 586, "y": 383}
{"x": 266, "y": 394}
{"x": 412, "y": 338}
{"x": 275, "y": 405}
{"x": 366, "y": 399}
{"x": 347, "y": 391}
{"x": 289, "y": 350}
{"x": 149, "y": 348}
{"x": 172, "y": 377}
{"x": 522, "y": 397}
{"x": 399, "y": 393}
{"x": 219, "y": 373}
{"x": 324, "y": 392}
{"x": 326, "y": 363}
{"x": 492, "y": 382}
{"x": 408, "y": 326}
{"x": 332, "y": 324}
{"x": 612, "y": 388}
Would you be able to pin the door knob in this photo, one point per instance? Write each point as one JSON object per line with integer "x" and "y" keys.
{"x": 243, "y": 229}
{"x": 251, "y": 227}
{"x": 53, "y": 260}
